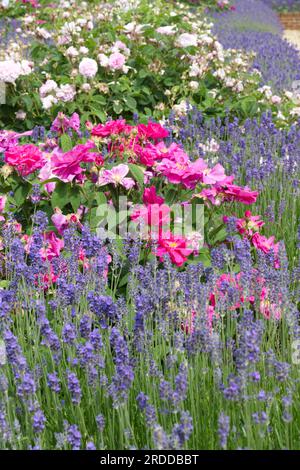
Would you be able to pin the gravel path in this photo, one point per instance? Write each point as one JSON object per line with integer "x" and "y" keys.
{"x": 293, "y": 36}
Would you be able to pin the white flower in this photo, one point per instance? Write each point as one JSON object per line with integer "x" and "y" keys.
{"x": 3, "y": 358}
{"x": 83, "y": 50}
{"x": 5, "y": 3}
{"x": 86, "y": 87}
{"x": 21, "y": 115}
{"x": 275, "y": 99}
{"x": 48, "y": 102}
{"x": 195, "y": 70}
{"x": 295, "y": 112}
{"x": 239, "y": 87}
{"x": 28, "y": 19}
{"x": 166, "y": 30}
{"x": 43, "y": 33}
{"x": 88, "y": 68}
{"x": 103, "y": 60}
{"x": 187, "y": 40}
{"x": 66, "y": 93}
{"x": 9, "y": 71}
{"x": 133, "y": 27}
{"x": 194, "y": 85}
{"x": 182, "y": 108}
{"x": 47, "y": 88}
{"x": 72, "y": 52}
{"x": 220, "y": 73}
{"x": 26, "y": 67}
{"x": 82, "y": 21}
{"x": 281, "y": 116}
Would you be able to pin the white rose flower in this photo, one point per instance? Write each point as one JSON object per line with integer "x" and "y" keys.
{"x": 72, "y": 52}
{"x": 166, "y": 30}
{"x": 48, "y": 102}
{"x": 88, "y": 68}
{"x": 47, "y": 88}
{"x": 187, "y": 40}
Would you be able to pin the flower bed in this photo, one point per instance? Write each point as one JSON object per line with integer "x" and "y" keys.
{"x": 149, "y": 228}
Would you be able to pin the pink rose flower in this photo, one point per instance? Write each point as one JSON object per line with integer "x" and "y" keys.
{"x": 66, "y": 166}
{"x": 52, "y": 246}
{"x": 152, "y": 130}
{"x": 116, "y": 61}
{"x": 236, "y": 193}
{"x": 88, "y": 68}
{"x": 25, "y": 158}
{"x": 116, "y": 176}
{"x": 62, "y": 222}
{"x": 150, "y": 196}
{"x": 263, "y": 243}
{"x": 175, "y": 247}
{"x": 111, "y": 128}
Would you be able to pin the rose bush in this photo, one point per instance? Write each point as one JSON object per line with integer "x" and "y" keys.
{"x": 100, "y": 63}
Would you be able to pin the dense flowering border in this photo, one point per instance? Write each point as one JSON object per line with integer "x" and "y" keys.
{"x": 118, "y": 158}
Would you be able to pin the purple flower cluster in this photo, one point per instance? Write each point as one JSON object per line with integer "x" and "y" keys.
{"x": 124, "y": 374}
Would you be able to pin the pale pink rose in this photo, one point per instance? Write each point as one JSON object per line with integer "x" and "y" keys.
{"x": 48, "y": 102}
{"x": 276, "y": 99}
{"x": 66, "y": 93}
{"x": 103, "y": 60}
{"x": 116, "y": 61}
{"x": 88, "y": 68}
{"x": 187, "y": 40}
{"x": 59, "y": 220}
{"x": 166, "y": 30}
{"x": 116, "y": 176}
{"x": 47, "y": 88}
{"x": 46, "y": 174}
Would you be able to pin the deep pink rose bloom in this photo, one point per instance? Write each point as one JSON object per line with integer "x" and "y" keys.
{"x": 182, "y": 171}
{"x": 111, "y": 128}
{"x": 152, "y": 130}
{"x": 148, "y": 155}
{"x": 150, "y": 196}
{"x": 52, "y": 246}
{"x": 25, "y": 158}
{"x": 236, "y": 193}
{"x": 264, "y": 244}
{"x": 174, "y": 246}
{"x": 66, "y": 166}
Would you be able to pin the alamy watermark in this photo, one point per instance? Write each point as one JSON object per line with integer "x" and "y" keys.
{"x": 3, "y": 358}
{"x": 155, "y": 221}
{"x": 296, "y": 91}
{"x": 296, "y": 352}
{"x": 2, "y": 93}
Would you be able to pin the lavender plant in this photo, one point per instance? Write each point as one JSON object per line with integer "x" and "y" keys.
{"x": 157, "y": 374}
